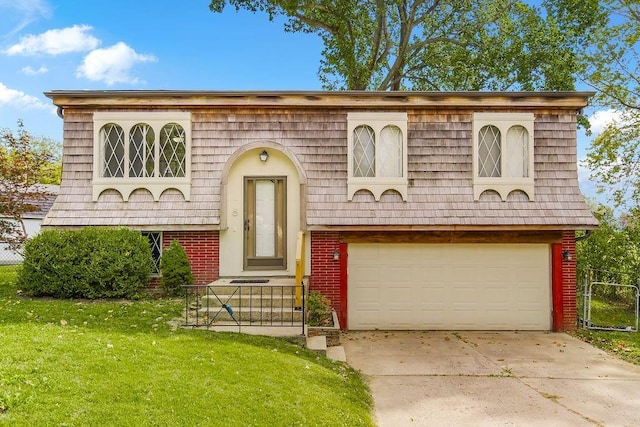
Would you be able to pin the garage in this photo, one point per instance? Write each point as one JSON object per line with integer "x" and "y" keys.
{"x": 449, "y": 286}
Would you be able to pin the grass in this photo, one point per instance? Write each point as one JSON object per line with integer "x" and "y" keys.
{"x": 78, "y": 363}
{"x": 626, "y": 345}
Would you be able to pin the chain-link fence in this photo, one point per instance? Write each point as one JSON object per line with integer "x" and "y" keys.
{"x": 9, "y": 257}
{"x": 609, "y": 301}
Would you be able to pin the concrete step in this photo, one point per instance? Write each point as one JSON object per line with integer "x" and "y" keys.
{"x": 284, "y": 314}
{"x": 274, "y": 329}
{"x": 251, "y": 289}
{"x": 317, "y": 344}
{"x": 249, "y": 300}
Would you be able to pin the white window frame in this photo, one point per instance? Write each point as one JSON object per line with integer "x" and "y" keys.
{"x": 126, "y": 185}
{"x": 503, "y": 185}
{"x": 376, "y": 184}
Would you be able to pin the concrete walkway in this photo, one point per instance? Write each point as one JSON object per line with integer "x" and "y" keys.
{"x": 493, "y": 379}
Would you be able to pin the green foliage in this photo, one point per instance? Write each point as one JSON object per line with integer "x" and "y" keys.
{"x": 25, "y": 162}
{"x": 87, "y": 263}
{"x": 175, "y": 269}
{"x": 318, "y": 309}
{"x": 613, "y": 159}
{"x": 611, "y": 63}
{"x": 610, "y": 313}
{"x": 611, "y": 253}
{"x": 435, "y": 45}
{"x": 625, "y": 345}
{"x": 612, "y": 66}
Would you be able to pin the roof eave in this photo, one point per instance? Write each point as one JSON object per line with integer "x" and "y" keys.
{"x": 344, "y": 99}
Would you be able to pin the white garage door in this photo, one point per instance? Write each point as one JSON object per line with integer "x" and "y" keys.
{"x": 449, "y": 286}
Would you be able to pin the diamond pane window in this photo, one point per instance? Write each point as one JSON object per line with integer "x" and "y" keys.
{"x": 489, "y": 152}
{"x": 155, "y": 242}
{"x": 112, "y": 142}
{"x": 141, "y": 150}
{"x": 390, "y": 147}
{"x": 364, "y": 152}
{"x": 172, "y": 151}
{"x": 503, "y": 153}
{"x": 141, "y": 155}
{"x": 517, "y": 152}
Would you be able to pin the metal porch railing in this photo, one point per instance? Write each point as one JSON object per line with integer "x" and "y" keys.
{"x": 244, "y": 304}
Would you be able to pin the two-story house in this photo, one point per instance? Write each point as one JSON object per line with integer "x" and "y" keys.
{"x": 420, "y": 210}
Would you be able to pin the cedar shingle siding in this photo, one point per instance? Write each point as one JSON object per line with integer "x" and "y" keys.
{"x": 440, "y": 153}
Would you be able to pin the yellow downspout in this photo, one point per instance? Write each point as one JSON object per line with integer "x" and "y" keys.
{"x": 299, "y": 268}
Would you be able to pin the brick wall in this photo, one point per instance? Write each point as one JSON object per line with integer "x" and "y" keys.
{"x": 569, "y": 282}
{"x": 325, "y": 272}
{"x": 203, "y": 250}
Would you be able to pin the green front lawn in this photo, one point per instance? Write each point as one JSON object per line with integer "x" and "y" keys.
{"x": 78, "y": 363}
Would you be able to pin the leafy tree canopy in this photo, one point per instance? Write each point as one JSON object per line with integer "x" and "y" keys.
{"x": 612, "y": 250}
{"x": 440, "y": 44}
{"x": 612, "y": 67}
{"x": 25, "y": 162}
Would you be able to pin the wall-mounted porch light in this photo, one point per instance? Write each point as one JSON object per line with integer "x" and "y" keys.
{"x": 566, "y": 255}
{"x": 336, "y": 255}
{"x": 264, "y": 156}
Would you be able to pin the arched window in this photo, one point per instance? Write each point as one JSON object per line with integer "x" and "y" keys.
{"x": 141, "y": 150}
{"x": 377, "y": 158}
{"x": 518, "y": 152}
{"x": 112, "y": 143}
{"x": 134, "y": 150}
{"x": 503, "y": 153}
{"x": 364, "y": 152}
{"x": 172, "y": 151}
{"x": 391, "y": 148}
{"x": 489, "y": 152}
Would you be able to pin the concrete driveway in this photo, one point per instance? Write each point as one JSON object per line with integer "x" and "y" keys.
{"x": 493, "y": 378}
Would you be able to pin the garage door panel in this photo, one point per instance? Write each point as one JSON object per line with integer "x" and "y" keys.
{"x": 454, "y": 286}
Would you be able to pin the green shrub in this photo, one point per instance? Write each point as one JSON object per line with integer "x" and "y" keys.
{"x": 175, "y": 269}
{"x": 318, "y": 309}
{"x": 87, "y": 263}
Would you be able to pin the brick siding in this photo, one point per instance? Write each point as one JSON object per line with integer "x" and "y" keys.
{"x": 569, "y": 282}
{"x": 325, "y": 272}
{"x": 203, "y": 250}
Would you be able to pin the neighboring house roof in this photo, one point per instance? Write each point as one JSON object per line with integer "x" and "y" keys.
{"x": 312, "y": 126}
{"x": 43, "y": 205}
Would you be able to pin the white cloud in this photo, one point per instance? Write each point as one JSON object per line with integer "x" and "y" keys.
{"x": 589, "y": 186}
{"x": 28, "y": 11}
{"x": 30, "y": 71}
{"x": 56, "y": 42}
{"x": 601, "y": 119}
{"x": 20, "y": 100}
{"x": 112, "y": 64}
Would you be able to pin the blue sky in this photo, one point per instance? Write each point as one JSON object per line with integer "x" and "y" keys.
{"x": 142, "y": 44}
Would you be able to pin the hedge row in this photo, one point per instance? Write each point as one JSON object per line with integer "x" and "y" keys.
{"x": 87, "y": 263}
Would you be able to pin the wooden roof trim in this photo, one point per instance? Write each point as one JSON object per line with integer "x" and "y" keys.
{"x": 440, "y": 228}
{"x": 344, "y": 99}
